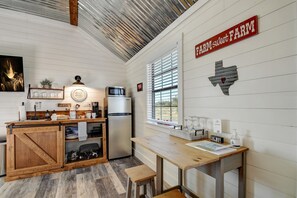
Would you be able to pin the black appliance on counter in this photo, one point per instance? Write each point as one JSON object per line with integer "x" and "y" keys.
{"x": 95, "y": 108}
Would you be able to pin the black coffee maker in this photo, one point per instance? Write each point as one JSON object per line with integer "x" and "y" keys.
{"x": 95, "y": 108}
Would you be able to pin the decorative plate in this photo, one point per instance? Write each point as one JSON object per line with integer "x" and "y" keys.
{"x": 79, "y": 95}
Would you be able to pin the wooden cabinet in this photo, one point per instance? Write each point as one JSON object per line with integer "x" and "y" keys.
{"x": 39, "y": 147}
{"x": 73, "y": 146}
{"x": 34, "y": 149}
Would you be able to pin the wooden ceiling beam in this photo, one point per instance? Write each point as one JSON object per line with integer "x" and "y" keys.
{"x": 73, "y": 10}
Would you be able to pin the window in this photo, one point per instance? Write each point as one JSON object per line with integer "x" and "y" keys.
{"x": 163, "y": 88}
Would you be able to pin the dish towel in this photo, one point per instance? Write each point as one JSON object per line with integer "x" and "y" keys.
{"x": 82, "y": 131}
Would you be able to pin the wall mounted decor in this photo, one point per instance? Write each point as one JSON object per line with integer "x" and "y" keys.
{"x": 79, "y": 94}
{"x": 68, "y": 105}
{"x": 11, "y": 74}
{"x": 224, "y": 76}
{"x": 139, "y": 87}
{"x": 46, "y": 83}
{"x": 78, "y": 81}
{"x": 232, "y": 35}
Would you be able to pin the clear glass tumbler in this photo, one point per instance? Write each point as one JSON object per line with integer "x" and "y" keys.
{"x": 188, "y": 123}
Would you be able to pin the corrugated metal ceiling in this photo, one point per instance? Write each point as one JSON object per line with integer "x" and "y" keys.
{"x": 126, "y": 26}
{"x": 122, "y": 26}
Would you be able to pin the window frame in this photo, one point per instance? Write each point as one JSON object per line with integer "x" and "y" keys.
{"x": 150, "y": 102}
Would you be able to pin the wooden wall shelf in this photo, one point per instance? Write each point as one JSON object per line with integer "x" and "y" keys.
{"x": 36, "y": 93}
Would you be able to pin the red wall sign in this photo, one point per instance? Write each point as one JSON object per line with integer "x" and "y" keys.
{"x": 234, "y": 34}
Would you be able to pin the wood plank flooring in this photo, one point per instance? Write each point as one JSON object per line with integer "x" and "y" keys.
{"x": 103, "y": 180}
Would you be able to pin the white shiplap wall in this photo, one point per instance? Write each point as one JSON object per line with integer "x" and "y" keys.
{"x": 58, "y": 51}
{"x": 262, "y": 105}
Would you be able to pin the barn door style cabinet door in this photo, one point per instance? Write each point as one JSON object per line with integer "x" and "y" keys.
{"x": 34, "y": 149}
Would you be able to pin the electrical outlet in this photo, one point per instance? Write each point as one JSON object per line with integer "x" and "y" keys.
{"x": 38, "y": 105}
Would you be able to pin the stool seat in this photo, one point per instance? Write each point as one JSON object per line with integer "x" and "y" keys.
{"x": 140, "y": 176}
{"x": 170, "y": 194}
{"x": 140, "y": 173}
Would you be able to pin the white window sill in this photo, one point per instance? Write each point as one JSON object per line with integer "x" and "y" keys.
{"x": 168, "y": 126}
{"x": 159, "y": 127}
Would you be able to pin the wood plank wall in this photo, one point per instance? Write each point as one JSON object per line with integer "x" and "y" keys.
{"x": 58, "y": 51}
{"x": 262, "y": 103}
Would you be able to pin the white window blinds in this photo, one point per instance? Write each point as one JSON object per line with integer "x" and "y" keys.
{"x": 162, "y": 84}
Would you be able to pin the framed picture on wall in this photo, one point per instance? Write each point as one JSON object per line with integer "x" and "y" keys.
{"x": 11, "y": 74}
{"x": 139, "y": 87}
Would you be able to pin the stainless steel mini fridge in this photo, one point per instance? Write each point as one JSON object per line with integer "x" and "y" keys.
{"x": 119, "y": 129}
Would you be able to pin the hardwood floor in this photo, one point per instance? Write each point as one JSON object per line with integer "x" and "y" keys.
{"x": 103, "y": 180}
{"x": 1, "y": 181}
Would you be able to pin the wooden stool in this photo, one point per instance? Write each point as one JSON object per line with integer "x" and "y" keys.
{"x": 140, "y": 176}
{"x": 170, "y": 194}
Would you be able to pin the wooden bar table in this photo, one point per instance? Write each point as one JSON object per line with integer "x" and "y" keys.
{"x": 174, "y": 150}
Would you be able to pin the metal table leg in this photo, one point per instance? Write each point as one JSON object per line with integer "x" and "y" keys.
{"x": 219, "y": 179}
{"x": 159, "y": 163}
{"x": 242, "y": 177}
{"x": 180, "y": 177}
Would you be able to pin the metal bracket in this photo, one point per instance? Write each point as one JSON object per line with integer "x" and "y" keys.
{"x": 10, "y": 129}
{"x": 11, "y": 126}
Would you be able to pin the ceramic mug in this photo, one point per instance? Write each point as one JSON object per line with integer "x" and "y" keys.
{"x": 35, "y": 94}
{"x": 72, "y": 114}
{"x": 88, "y": 115}
{"x": 93, "y": 115}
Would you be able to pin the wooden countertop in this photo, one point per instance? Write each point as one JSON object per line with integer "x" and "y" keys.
{"x": 175, "y": 151}
{"x": 49, "y": 122}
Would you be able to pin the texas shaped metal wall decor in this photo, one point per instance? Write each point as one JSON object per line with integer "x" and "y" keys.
{"x": 224, "y": 76}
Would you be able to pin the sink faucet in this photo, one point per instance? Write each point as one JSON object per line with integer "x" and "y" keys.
{"x": 34, "y": 117}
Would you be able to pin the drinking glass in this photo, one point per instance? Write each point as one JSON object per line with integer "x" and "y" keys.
{"x": 195, "y": 121}
{"x": 35, "y": 94}
{"x": 209, "y": 125}
{"x": 44, "y": 95}
{"x": 202, "y": 122}
{"x": 185, "y": 123}
{"x": 188, "y": 123}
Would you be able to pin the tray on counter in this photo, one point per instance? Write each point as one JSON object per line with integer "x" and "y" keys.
{"x": 189, "y": 134}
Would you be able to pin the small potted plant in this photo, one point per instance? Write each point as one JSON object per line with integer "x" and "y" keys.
{"x": 46, "y": 83}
